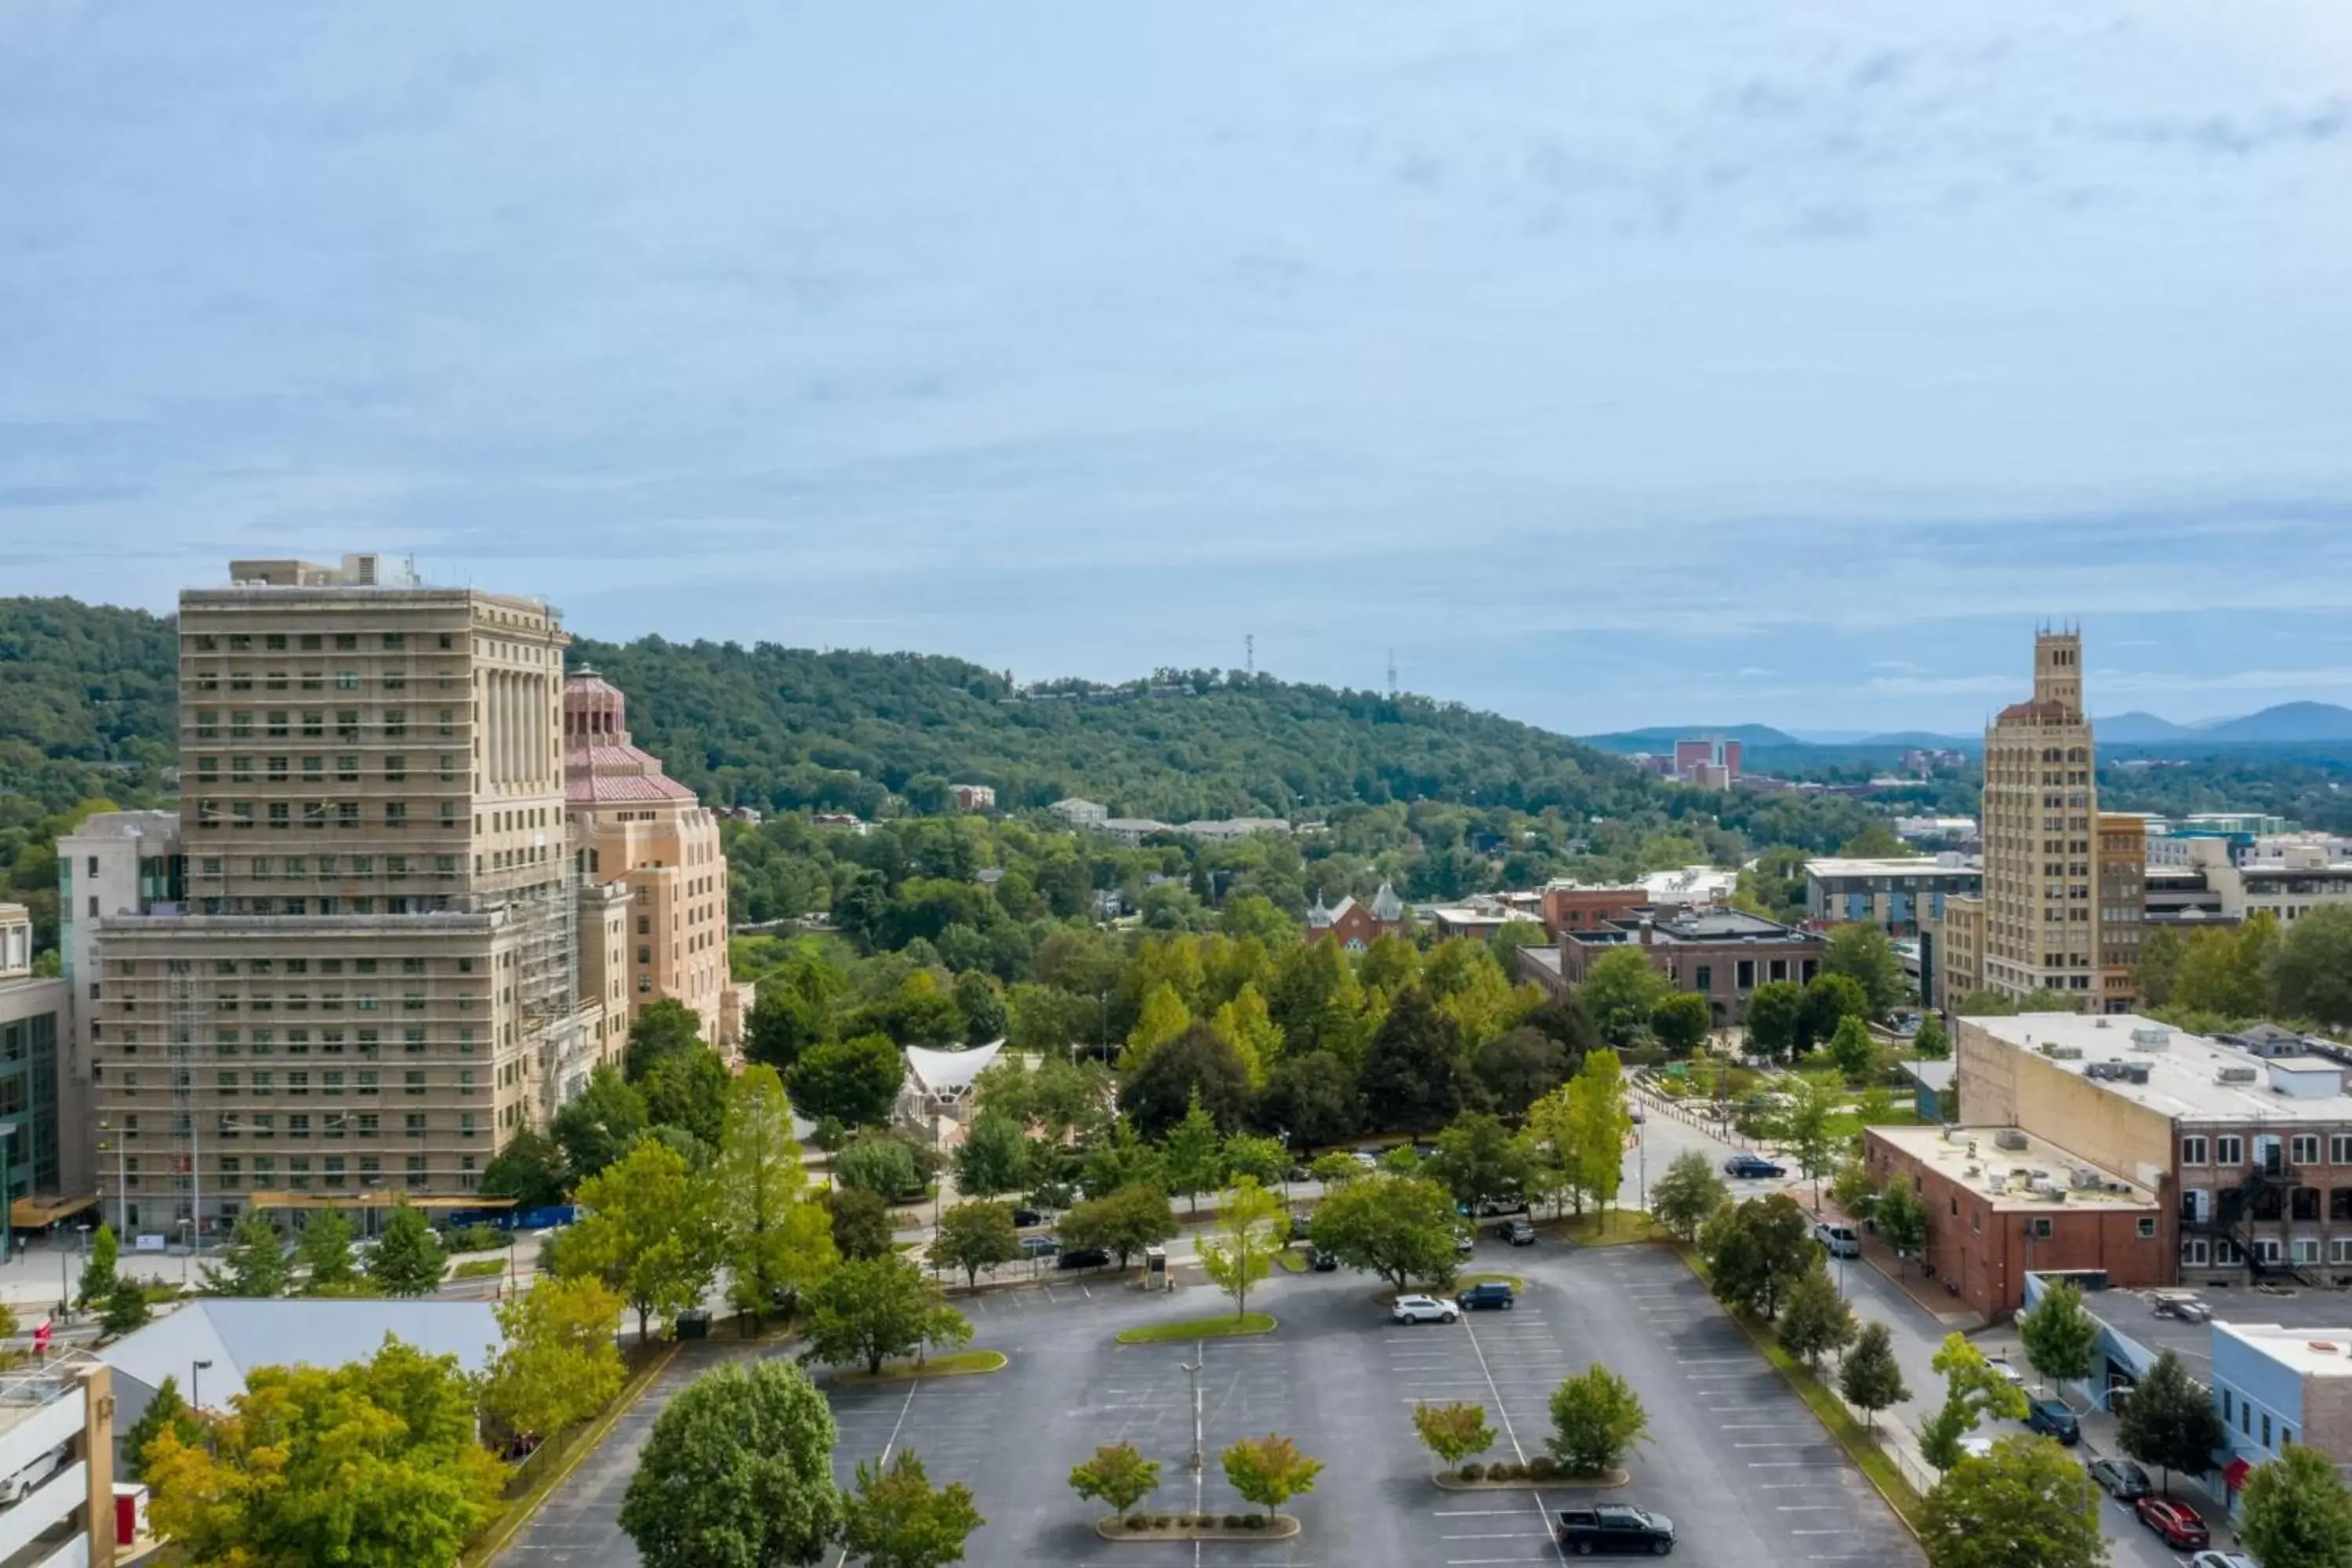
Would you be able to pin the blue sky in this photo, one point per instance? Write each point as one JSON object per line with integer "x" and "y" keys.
{"x": 1635, "y": 361}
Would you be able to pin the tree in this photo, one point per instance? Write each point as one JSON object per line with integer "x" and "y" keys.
{"x": 408, "y": 1259}
{"x": 1416, "y": 1074}
{"x": 1621, "y": 990}
{"x": 1520, "y": 1067}
{"x": 529, "y": 1170}
{"x": 1269, "y": 1470}
{"x": 373, "y": 1462}
{"x": 895, "y": 1518}
{"x": 976, "y": 1235}
{"x": 1852, "y": 1049}
{"x": 1123, "y": 1221}
{"x": 1596, "y": 1102}
{"x": 326, "y": 1250}
{"x": 1161, "y": 1019}
{"x": 125, "y": 1308}
{"x": 1805, "y": 1124}
{"x": 860, "y": 1222}
{"x": 688, "y": 1090}
{"x": 2059, "y": 1335}
{"x": 1245, "y": 1024}
{"x": 559, "y": 1365}
{"x": 2170, "y": 1422}
{"x": 1829, "y": 998}
{"x": 785, "y": 1021}
{"x": 1312, "y": 1099}
{"x": 2024, "y": 1505}
{"x": 1239, "y": 1250}
{"x": 1452, "y": 1432}
{"x": 993, "y": 1157}
{"x": 2312, "y": 975}
{"x": 1191, "y": 1156}
{"x": 2228, "y": 972}
{"x": 1198, "y": 1064}
{"x": 1123, "y": 1160}
{"x": 1815, "y": 1320}
{"x": 98, "y": 1269}
{"x": 776, "y": 1242}
{"x": 1869, "y": 1376}
{"x": 854, "y": 1082}
{"x": 1399, "y": 1227}
{"x": 1931, "y": 1042}
{"x": 1681, "y": 1022}
{"x": 667, "y": 1028}
{"x": 1755, "y": 1252}
{"x": 1902, "y": 1220}
{"x": 1595, "y": 1418}
{"x": 253, "y": 1261}
{"x": 1263, "y": 1160}
{"x": 1864, "y": 954}
{"x": 869, "y": 1310}
{"x": 1774, "y": 1011}
{"x": 167, "y": 1412}
{"x": 980, "y": 1001}
{"x": 1117, "y": 1475}
{"x": 2298, "y": 1512}
{"x": 882, "y": 1164}
{"x": 650, "y": 1234}
{"x": 1972, "y": 1390}
{"x": 597, "y": 1125}
{"x": 738, "y": 1473}
{"x": 1687, "y": 1196}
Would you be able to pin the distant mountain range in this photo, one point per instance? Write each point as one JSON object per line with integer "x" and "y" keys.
{"x": 2288, "y": 723}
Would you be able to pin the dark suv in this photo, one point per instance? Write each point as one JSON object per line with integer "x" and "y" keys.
{"x": 1614, "y": 1526}
{"x": 1494, "y": 1293}
{"x": 2053, "y": 1419}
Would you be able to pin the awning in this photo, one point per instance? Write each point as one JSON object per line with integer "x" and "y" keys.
{"x": 369, "y": 1198}
{"x": 37, "y": 1212}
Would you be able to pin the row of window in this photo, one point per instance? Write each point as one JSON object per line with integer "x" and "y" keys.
{"x": 279, "y": 770}
{"x": 239, "y": 642}
{"x": 316, "y": 813}
{"x": 267, "y": 1080}
{"x": 278, "y": 723}
{"x": 2230, "y": 1149}
{"x": 298, "y": 1124}
{"x": 361, "y": 866}
{"x": 334, "y": 1173}
{"x": 265, "y": 1042}
{"x": 309, "y": 680}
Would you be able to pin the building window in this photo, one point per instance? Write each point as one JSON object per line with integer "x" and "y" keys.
{"x": 2304, "y": 1148}
{"x": 2230, "y": 1149}
{"x": 1747, "y": 974}
{"x": 2042, "y": 1227}
{"x": 2146, "y": 1228}
{"x": 2192, "y": 1151}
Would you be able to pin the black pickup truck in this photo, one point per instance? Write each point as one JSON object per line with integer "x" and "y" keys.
{"x": 1615, "y": 1528}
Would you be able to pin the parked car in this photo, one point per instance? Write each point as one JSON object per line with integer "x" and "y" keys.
{"x": 1465, "y": 1240}
{"x": 2177, "y": 1523}
{"x": 2009, "y": 1373}
{"x": 2053, "y": 1419}
{"x": 1424, "y": 1310}
{"x": 16, "y": 1488}
{"x": 1085, "y": 1257}
{"x": 1748, "y": 1166}
{"x": 1040, "y": 1246}
{"x": 1490, "y": 1208}
{"x": 1425, "y": 1150}
{"x": 1367, "y": 1159}
{"x": 1977, "y": 1447}
{"x": 2222, "y": 1560}
{"x": 1839, "y": 1240}
{"x": 1024, "y": 1218}
{"x": 1520, "y": 1233}
{"x": 1493, "y": 1293}
{"x": 1615, "y": 1526}
{"x": 2186, "y": 1309}
{"x": 1321, "y": 1261}
{"x": 2121, "y": 1480}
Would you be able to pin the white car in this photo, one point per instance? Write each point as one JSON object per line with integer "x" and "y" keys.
{"x": 1424, "y": 1310}
{"x": 19, "y": 1487}
{"x": 2221, "y": 1560}
{"x": 2014, "y": 1378}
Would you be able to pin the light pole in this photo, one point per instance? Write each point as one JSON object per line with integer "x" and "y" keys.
{"x": 195, "y": 1371}
{"x": 1193, "y": 1376}
{"x": 122, "y": 1184}
{"x": 8, "y": 1197}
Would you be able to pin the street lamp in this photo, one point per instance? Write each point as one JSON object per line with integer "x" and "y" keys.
{"x": 122, "y": 1184}
{"x": 1192, "y": 1375}
{"x": 195, "y": 1371}
{"x": 8, "y": 1197}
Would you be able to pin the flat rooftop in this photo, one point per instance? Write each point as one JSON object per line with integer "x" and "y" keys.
{"x": 1899, "y": 866}
{"x": 2006, "y": 1178}
{"x": 2314, "y": 1313}
{"x": 2185, "y": 1074}
{"x": 2308, "y": 1352}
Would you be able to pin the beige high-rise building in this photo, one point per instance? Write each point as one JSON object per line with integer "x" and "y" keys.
{"x": 371, "y": 979}
{"x": 2037, "y": 926}
{"x": 633, "y": 824}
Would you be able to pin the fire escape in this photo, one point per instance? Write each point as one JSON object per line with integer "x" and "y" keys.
{"x": 2271, "y": 1196}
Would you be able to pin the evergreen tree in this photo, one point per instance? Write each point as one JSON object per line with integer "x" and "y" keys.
{"x": 2170, "y": 1422}
{"x": 1869, "y": 1376}
{"x": 97, "y": 1270}
{"x": 408, "y": 1259}
{"x": 326, "y": 1250}
{"x": 1815, "y": 1320}
{"x": 167, "y": 1412}
{"x": 252, "y": 1262}
{"x": 125, "y": 1308}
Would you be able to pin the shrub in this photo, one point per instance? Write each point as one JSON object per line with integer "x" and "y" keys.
{"x": 1137, "y": 1521}
{"x": 1472, "y": 1471}
{"x": 1162, "y": 1522}
{"x": 474, "y": 1238}
{"x": 1543, "y": 1468}
{"x": 1254, "y": 1521}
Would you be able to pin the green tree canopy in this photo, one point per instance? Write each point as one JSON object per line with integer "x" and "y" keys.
{"x": 974, "y": 1235}
{"x": 651, "y": 1234}
{"x": 1755, "y": 1252}
{"x": 667, "y": 1028}
{"x": 852, "y": 1081}
{"x": 1481, "y": 1161}
{"x": 597, "y": 1125}
{"x": 252, "y": 1262}
{"x": 1123, "y": 1221}
{"x": 1869, "y": 1376}
{"x": 993, "y": 1157}
{"x": 2298, "y": 1513}
{"x": 738, "y": 1473}
{"x": 870, "y": 1310}
{"x": 776, "y": 1240}
{"x": 2060, "y": 1335}
{"x": 1117, "y": 1475}
{"x": 1816, "y": 1320}
{"x": 408, "y": 1259}
{"x": 1595, "y": 1418}
{"x": 1621, "y": 990}
{"x": 1864, "y": 954}
{"x": 1237, "y": 1251}
{"x": 530, "y": 1170}
{"x": 896, "y": 1519}
{"x": 2311, "y": 973}
{"x": 688, "y": 1090}
{"x": 1775, "y": 1011}
{"x": 1399, "y": 1227}
{"x": 2025, "y": 1505}
{"x": 1198, "y": 1065}
{"x": 559, "y": 1365}
{"x": 2170, "y": 1422}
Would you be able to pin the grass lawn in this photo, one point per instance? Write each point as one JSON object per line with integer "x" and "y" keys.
{"x": 1218, "y": 1328}
{"x": 1513, "y": 1280}
{"x": 960, "y": 1363}
{"x": 479, "y": 1269}
{"x": 1291, "y": 1260}
{"x": 1624, "y": 1225}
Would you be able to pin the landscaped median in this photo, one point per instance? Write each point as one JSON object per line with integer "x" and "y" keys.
{"x": 957, "y": 1364}
{"x": 1222, "y": 1327}
{"x": 1198, "y": 1527}
{"x": 1539, "y": 1471}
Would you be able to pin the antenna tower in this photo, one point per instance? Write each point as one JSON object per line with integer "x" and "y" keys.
{"x": 1249, "y": 653}
{"x": 1392, "y": 687}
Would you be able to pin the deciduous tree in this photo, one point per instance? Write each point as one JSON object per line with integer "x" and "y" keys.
{"x": 2312, "y": 975}
{"x": 1519, "y": 1067}
{"x": 1239, "y": 1250}
{"x": 2297, "y": 1512}
{"x": 1681, "y": 1022}
{"x": 688, "y": 1090}
{"x": 253, "y": 1261}
{"x": 167, "y": 1412}
{"x": 596, "y": 1126}
{"x": 1595, "y": 1418}
{"x": 1453, "y": 1432}
{"x": 408, "y": 1259}
{"x": 665, "y": 1027}
{"x": 776, "y": 1241}
{"x": 1775, "y": 1013}
{"x": 2024, "y": 1505}
{"x": 2060, "y": 1335}
{"x": 1828, "y": 998}
{"x": 852, "y": 1081}
{"x": 1416, "y": 1074}
{"x": 896, "y": 1519}
{"x": 1972, "y": 1390}
{"x": 993, "y": 1158}
{"x": 1399, "y": 1227}
{"x": 882, "y": 1164}
{"x": 98, "y": 1269}
{"x": 860, "y": 1222}
{"x": 1901, "y": 1220}
{"x": 1687, "y": 1196}
{"x": 1755, "y": 1252}
{"x": 975, "y": 1235}
{"x": 1852, "y": 1049}
{"x": 1869, "y": 1376}
{"x": 1199, "y": 1063}
{"x": 1124, "y": 1221}
{"x": 1864, "y": 953}
{"x": 2170, "y": 1422}
{"x": 1117, "y": 1475}
{"x": 870, "y": 1310}
{"x": 738, "y": 1471}
{"x": 1815, "y": 1320}
{"x": 1269, "y": 1470}
{"x": 650, "y": 1234}
{"x": 530, "y": 1170}
{"x": 1189, "y": 1155}
{"x": 559, "y": 1365}
{"x": 1312, "y": 1100}
{"x": 1620, "y": 992}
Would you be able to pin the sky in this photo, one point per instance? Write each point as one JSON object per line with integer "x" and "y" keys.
{"x": 1612, "y": 364}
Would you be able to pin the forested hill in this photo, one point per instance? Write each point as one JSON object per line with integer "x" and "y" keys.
{"x": 780, "y": 727}
{"x": 88, "y": 701}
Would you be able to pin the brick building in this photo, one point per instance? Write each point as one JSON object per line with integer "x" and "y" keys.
{"x": 1356, "y": 926}
{"x": 1569, "y": 906}
{"x": 1720, "y": 954}
{"x": 2002, "y": 1202}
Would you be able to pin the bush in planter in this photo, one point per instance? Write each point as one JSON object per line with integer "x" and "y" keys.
{"x": 1543, "y": 1468}
{"x": 1137, "y": 1521}
{"x": 1472, "y": 1471}
{"x": 1161, "y": 1522}
{"x": 1255, "y": 1522}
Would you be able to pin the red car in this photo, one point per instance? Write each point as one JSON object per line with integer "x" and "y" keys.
{"x": 2176, "y": 1521}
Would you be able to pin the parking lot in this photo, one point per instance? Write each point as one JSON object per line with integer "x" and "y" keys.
{"x": 1745, "y": 1470}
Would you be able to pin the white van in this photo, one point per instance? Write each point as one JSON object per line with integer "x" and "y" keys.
{"x": 19, "y": 1487}
{"x": 1839, "y": 1239}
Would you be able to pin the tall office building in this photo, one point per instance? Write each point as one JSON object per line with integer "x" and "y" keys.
{"x": 369, "y": 979}
{"x": 2037, "y": 926}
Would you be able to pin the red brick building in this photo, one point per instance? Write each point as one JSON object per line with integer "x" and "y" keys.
{"x": 2002, "y": 1204}
{"x": 1720, "y": 954}
{"x": 1355, "y": 926}
{"x": 1566, "y": 906}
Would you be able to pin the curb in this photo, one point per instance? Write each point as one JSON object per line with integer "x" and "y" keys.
{"x": 1606, "y": 1483}
{"x": 487, "y": 1550}
{"x": 1285, "y": 1527}
{"x": 912, "y": 1372}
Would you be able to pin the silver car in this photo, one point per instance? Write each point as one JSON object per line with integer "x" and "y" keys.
{"x": 1424, "y": 1310}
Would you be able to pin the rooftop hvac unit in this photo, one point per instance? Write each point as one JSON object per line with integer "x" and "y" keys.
{"x": 2084, "y": 1179}
{"x": 2237, "y": 1075}
{"x": 2151, "y": 1038}
{"x": 2008, "y": 1138}
{"x": 2122, "y": 1188}
{"x": 2051, "y": 1191}
{"x": 2058, "y": 1053}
